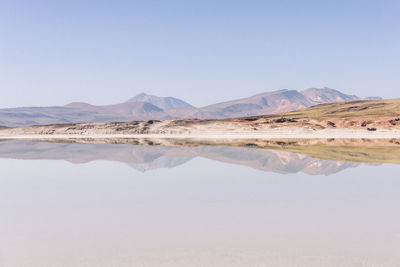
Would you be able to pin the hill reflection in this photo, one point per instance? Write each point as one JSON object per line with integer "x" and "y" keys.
{"x": 150, "y": 157}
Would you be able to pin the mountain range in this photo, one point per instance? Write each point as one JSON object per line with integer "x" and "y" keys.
{"x": 149, "y": 107}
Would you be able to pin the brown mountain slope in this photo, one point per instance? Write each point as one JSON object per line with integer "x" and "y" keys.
{"x": 265, "y": 103}
{"x": 352, "y": 109}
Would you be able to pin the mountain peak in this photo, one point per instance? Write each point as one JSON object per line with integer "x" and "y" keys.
{"x": 78, "y": 105}
{"x": 164, "y": 103}
{"x": 142, "y": 94}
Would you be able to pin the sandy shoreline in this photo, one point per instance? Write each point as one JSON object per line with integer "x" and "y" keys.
{"x": 323, "y": 134}
{"x": 240, "y": 128}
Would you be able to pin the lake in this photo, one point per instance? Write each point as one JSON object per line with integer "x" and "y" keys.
{"x": 69, "y": 204}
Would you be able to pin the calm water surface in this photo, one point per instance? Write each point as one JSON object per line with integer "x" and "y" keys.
{"x": 123, "y": 205}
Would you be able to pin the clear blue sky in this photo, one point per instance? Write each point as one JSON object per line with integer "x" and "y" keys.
{"x": 56, "y": 52}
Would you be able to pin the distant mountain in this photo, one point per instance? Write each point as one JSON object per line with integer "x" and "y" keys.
{"x": 80, "y": 112}
{"x": 149, "y": 107}
{"x": 164, "y": 103}
{"x": 265, "y": 103}
{"x": 373, "y": 98}
{"x": 327, "y": 95}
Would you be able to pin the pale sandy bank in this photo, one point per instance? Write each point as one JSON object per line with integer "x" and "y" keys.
{"x": 242, "y": 128}
{"x": 271, "y": 134}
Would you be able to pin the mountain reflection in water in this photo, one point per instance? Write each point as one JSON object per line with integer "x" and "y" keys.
{"x": 212, "y": 210}
{"x": 145, "y": 158}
